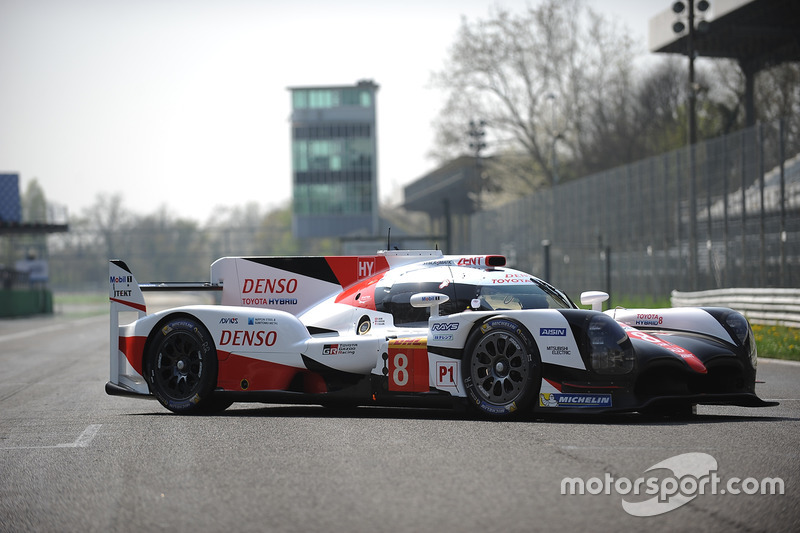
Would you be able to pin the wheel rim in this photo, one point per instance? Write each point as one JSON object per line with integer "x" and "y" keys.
{"x": 499, "y": 368}
{"x": 179, "y": 365}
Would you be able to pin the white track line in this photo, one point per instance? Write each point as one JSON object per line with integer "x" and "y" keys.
{"x": 83, "y": 440}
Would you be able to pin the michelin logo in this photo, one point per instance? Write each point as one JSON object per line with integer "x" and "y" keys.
{"x": 554, "y": 399}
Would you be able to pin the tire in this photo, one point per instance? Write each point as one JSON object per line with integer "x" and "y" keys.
{"x": 215, "y": 406}
{"x": 501, "y": 368}
{"x": 182, "y": 367}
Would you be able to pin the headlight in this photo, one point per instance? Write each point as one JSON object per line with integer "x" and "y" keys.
{"x": 743, "y": 333}
{"x": 610, "y": 350}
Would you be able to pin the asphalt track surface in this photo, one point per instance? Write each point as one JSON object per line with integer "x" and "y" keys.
{"x": 74, "y": 459}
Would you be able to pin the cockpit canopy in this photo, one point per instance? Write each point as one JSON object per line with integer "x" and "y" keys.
{"x": 492, "y": 293}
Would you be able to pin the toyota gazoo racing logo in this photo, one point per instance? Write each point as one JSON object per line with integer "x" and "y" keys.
{"x": 330, "y": 349}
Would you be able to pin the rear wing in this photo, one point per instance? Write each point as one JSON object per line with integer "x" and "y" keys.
{"x": 126, "y": 292}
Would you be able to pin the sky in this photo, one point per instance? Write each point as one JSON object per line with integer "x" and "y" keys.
{"x": 184, "y": 104}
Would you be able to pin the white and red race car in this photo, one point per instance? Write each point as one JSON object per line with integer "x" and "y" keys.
{"x": 419, "y": 328}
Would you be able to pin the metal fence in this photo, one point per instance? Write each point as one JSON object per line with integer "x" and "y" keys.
{"x": 723, "y": 214}
{"x": 13, "y": 279}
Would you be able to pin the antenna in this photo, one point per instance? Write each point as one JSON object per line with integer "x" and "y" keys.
{"x": 389, "y": 239}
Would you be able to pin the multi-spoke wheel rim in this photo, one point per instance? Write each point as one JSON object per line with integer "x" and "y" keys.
{"x": 179, "y": 365}
{"x": 499, "y": 368}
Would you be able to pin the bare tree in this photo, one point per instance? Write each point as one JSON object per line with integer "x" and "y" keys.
{"x": 108, "y": 218}
{"x": 659, "y": 121}
{"x": 34, "y": 203}
{"x": 541, "y": 80}
{"x": 778, "y": 96}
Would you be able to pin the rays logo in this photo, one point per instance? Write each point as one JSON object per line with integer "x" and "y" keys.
{"x": 445, "y": 326}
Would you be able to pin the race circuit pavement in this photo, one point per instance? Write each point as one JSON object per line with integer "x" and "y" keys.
{"x": 74, "y": 459}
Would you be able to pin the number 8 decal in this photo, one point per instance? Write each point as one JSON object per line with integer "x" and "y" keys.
{"x": 400, "y": 373}
{"x": 408, "y": 365}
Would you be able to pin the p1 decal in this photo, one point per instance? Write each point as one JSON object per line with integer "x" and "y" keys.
{"x": 447, "y": 374}
{"x": 408, "y": 365}
{"x": 558, "y": 399}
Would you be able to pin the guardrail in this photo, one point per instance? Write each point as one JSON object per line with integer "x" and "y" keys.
{"x": 779, "y": 307}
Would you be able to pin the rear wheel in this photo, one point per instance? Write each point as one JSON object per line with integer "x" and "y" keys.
{"x": 502, "y": 368}
{"x": 216, "y": 405}
{"x": 182, "y": 367}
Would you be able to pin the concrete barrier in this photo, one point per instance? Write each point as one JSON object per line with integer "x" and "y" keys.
{"x": 25, "y": 302}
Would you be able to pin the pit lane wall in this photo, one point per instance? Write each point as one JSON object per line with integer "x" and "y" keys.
{"x": 772, "y": 307}
{"x": 25, "y": 302}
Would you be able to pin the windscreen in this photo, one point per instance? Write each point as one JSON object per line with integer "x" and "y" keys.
{"x": 513, "y": 297}
{"x": 529, "y": 293}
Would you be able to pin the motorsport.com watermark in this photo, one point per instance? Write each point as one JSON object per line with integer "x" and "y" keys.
{"x": 693, "y": 474}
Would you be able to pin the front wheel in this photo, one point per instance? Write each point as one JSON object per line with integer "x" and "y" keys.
{"x": 182, "y": 367}
{"x": 502, "y": 368}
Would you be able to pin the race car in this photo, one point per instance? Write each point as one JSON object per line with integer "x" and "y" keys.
{"x": 419, "y": 328}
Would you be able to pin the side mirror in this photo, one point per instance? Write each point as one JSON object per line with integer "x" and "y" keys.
{"x": 594, "y": 298}
{"x": 429, "y": 299}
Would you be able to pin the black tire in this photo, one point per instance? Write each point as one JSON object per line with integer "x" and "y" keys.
{"x": 182, "y": 367}
{"x": 501, "y": 368}
{"x": 215, "y": 406}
